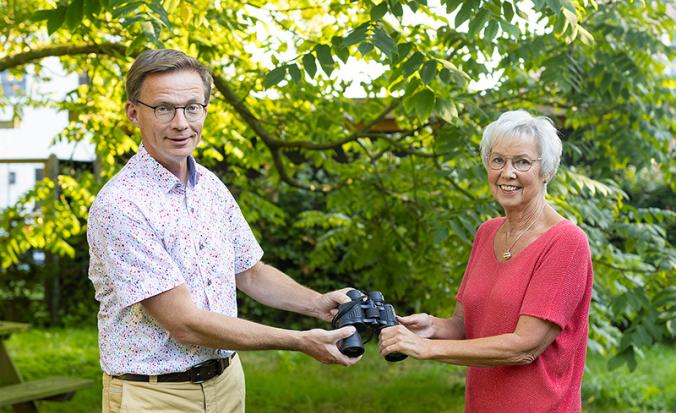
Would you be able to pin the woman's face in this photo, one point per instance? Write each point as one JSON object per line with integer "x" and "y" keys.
{"x": 512, "y": 188}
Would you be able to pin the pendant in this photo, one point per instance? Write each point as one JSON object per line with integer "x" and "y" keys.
{"x": 506, "y": 255}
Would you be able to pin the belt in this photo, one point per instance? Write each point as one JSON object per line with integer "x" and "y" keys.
{"x": 198, "y": 373}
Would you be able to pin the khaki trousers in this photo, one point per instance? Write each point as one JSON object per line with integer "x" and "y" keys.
{"x": 222, "y": 394}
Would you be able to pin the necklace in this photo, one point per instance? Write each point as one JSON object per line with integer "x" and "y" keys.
{"x": 508, "y": 252}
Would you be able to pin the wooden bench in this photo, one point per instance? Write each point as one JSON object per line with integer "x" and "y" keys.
{"x": 21, "y": 395}
{"x": 52, "y": 388}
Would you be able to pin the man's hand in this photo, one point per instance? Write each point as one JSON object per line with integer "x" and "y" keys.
{"x": 322, "y": 345}
{"x": 399, "y": 339}
{"x": 325, "y": 307}
{"x": 421, "y": 324}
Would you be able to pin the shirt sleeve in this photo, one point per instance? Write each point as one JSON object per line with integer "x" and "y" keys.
{"x": 130, "y": 253}
{"x": 247, "y": 250}
{"x": 560, "y": 279}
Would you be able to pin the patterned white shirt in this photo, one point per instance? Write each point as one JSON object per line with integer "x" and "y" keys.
{"x": 148, "y": 233}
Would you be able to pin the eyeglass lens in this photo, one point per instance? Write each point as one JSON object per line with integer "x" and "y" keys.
{"x": 192, "y": 113}
{"x": 520, "y": 164}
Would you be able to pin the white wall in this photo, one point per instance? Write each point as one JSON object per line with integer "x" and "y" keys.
{"x": 34, "y": 138}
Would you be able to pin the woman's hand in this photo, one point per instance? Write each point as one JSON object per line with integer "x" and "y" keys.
{"x": 399, "y": 339}
{"x": 421, "y": 324}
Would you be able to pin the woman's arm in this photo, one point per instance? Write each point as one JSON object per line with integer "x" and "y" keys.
{"x": 429, "y": 326}
{"x": 530, "y": 338}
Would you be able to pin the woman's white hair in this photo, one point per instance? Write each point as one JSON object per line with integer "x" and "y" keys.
{"x": 517, "y": 124}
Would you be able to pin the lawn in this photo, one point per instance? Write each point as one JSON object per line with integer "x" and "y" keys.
{"x": 280, "y": 381}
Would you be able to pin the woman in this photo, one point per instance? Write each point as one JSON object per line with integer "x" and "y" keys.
{"x": 521, "y": 318}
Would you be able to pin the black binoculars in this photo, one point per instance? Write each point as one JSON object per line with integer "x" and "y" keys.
{"x": 368, "y": 314}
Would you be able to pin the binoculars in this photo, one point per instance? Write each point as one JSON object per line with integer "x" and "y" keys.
{"x": 368, "y": 314}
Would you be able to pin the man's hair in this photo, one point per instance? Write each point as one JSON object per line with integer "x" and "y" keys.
{"x": 162, "y": 61}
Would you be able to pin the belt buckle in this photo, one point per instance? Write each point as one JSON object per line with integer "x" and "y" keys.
{"x": 198, "y": 376}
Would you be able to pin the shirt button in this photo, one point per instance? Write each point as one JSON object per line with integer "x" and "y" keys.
{"x": 208, "y": 282}
{"x": 201, "y": 245}
{"x": 192, "y": 210}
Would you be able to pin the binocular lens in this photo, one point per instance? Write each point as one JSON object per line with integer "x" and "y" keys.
{"x": 351, "y": 346}
{"x": 395, "y": 357}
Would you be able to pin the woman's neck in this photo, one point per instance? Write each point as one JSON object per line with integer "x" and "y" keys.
{"x": 519, "y": 220}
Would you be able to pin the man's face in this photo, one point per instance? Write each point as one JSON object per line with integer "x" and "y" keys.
{"x": 169, "y": 142}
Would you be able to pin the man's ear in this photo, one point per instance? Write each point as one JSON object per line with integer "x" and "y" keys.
{"x": 132, "y": 112}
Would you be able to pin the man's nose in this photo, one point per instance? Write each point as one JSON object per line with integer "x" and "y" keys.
{"x": 179, "y": 121}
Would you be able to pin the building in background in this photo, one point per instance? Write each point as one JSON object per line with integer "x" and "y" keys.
{"x": 27, "y": 141}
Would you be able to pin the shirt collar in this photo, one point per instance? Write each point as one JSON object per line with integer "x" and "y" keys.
{"x": 161, "y": 175}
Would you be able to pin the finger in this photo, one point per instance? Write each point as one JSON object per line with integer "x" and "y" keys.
{"x": 351, "y": 361}
{"x": 343, "y": 332}
{"x": 412, "y": 319}
{"x": 341, "y": 297}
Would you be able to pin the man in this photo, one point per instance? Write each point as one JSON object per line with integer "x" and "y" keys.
{"x": 169, "y": 247}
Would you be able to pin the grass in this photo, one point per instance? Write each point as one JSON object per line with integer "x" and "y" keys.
{"x": 279, "y": 381}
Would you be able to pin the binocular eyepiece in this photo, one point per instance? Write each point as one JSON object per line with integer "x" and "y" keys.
{"x": 368, "y": 314}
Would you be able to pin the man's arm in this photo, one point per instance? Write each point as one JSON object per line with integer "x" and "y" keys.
{"x": 187, "y": 324}
{"x": 269, "y": 286}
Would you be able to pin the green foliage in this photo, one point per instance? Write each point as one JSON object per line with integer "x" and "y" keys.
{"x": 386, "y": 191}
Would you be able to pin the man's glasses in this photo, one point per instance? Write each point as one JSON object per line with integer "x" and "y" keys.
{"x": 520, "y": 163}
{"x": 166, "y": 113}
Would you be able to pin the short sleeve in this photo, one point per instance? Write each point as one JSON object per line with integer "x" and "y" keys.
{"x": 560, "y": 279}
{"x": 130, "y": 254}
{"x": 247, "y": 250}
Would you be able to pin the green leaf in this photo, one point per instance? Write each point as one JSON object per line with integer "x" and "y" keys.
{"x": 56, "y": 19}
{"x": 365, "y": 48}
{"x": 413, "y": 63}
{"x": 445, "y": 75}
{"x": 92, "y": 7}
{"x": 274, "y": 76}
{"x": 396, "y": 9}
{"x": 157, "y": 7}
{"x": 379, "y": 10}
{"x": 136, "y": 44}
{"x": 424, "y": 103}
{"x": 429, "y": 71}
{"x": 74, "y": 14}
{"x": 325, "y": 60}
{"x": 554, "y": 5}
{"x": 342, "y": 53}
{"x": 510, "y": 29}
{"x": 126, "y": 9}
{"x": 310, "y": 65}
{"x": 294, "y": 71}
{"x": 42, "y": 15}
{"x": 464, "y": 13}
{"x": 409, "y": 93}
{"x": 507, "y": 11}
{"x": 451, "y": 5}
{"x": 384, "y": 42}
{"x": 357, "y": 35}
{"x": 491, "y": 30}
{"x": 403, "y": 49}
{"x": 446, "y": 110}
{"x": 478, "y": 22}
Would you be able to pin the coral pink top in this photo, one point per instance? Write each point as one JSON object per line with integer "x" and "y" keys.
{"x": 550, "y": 279}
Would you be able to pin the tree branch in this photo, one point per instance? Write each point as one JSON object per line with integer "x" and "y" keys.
{"x": 67, "y": 49}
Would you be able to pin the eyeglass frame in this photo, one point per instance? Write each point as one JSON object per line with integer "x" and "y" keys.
{"x": 510, "y": 158}
{"x": 154, "y": 108}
